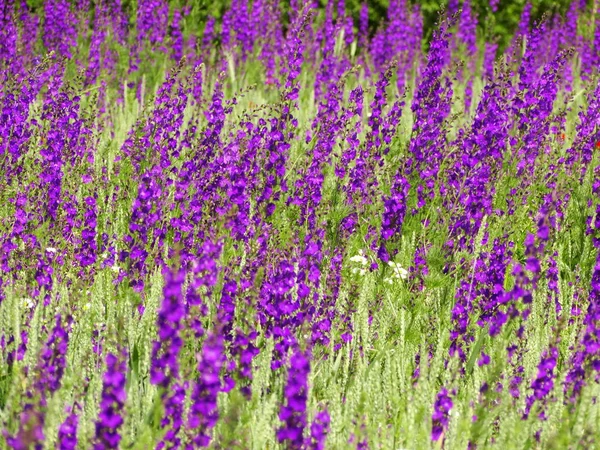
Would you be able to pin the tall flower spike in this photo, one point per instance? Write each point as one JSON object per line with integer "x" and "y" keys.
{"x": 203, "y": 413}
{"x": 111, "y": 404}
{"x": 59, "y": 27}
{"x": 587, "y": 355}
{"x": 164, "y": 370}
{"x": 67, "y": 433}
{"x": 293, "y": 411}
{"x": 431, "y": 106}
{"x": 53, "y": 359}
{"x": 318, "y": 431}
{"x": 87, "y": 252}
{"x": 165, "y": 366}
{"x": 543, "y": 384}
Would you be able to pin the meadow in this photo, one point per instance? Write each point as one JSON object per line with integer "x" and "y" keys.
{"x": 291, "y": 227}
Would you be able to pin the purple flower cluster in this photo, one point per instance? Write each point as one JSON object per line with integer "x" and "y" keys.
{"x": 544, "y": 381}
{"x": 431, "y": 106}
{"x": 441, "y": 410}
{"x": 203, "y": 413}
{"x": 165, "y": 351}
{"x": 293, "y": 411}
{"x": 67, "y": 433}
{"x": 318, "y": 431}
{"x": 260, "y": 159}
{"x": 88, "y": 251}
{"x": 164, "y": 370}
{"x": 53, "y": 359}
{"x": 112, "y": 402}
{"x": 586, "y": 356}
{"x": 59, "y": 27}
{"x": 279, "y": 309}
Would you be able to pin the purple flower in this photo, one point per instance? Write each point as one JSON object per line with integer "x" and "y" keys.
{"x": 8, "y": 34}
{"x": 544, "y": 381}
{"x": 67, "y": 433}
{"x": 293, "y": 411}
{"x": 177, "y": 35}
{"x": 441, "y": 411}
{"x": 152, "y": 21}
{"x": 203, "y": 413}
{"x": 87, "y": 252}
{"x": 278, "y": 311}
{"x": 164, "y": 370}
{"x": 243, "y": 346}
{"x": 111, "y": 404}
{"x": 53, "y": 360}
{"x": 59, "y": 27}
{"x": 484, "y": 360}
{"x": 318, "y": 431}
{"x": 431, "y": 106}
{"x": 586, "y": 357}
{"x": 97, "y": 40}
{"x": 31, "y": 430}
{"x": 165, "y": 352}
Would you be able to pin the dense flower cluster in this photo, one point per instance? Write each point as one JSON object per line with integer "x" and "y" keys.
{"x": 203, "y": 413}
{"x": 52, "y": 359}
{"x": 113, "y": 399}
{"x": 441, "y": 410}
{"x": 67, "y": 433}
{"x": 318, "y": 431}
{"x": 164, "y": 370}
{"x": 585, "y": 357}
{"x": 293, "y": 411}
{"x": 290, "y": 225}
{"x": 544, "y": 381}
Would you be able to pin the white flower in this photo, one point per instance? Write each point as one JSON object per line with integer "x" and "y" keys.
{"x": 360, "y": 258}
{"x": 51, "y": 250}
{"x": 356, "y": 270}
{"x": 28, "y": 302}
{"x": 115, "y": 269}
{"x": 399, "y": 271}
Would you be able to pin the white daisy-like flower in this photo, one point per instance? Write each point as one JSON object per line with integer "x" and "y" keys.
{"x": 28, "y": 302}
{"x": 398, "y": 270}
{"x": 51, "y": 250}
{"x": 360, "y": 258}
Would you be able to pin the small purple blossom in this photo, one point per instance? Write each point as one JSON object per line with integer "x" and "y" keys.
{"x": 441, "y": 410}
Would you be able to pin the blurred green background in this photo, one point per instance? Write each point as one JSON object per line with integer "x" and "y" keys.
{"x": 500, "y": 24}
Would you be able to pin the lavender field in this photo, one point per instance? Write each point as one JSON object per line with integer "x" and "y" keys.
{"x": 295, "y": 227}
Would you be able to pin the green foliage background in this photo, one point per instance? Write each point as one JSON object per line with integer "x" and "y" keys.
{"x": 500, "y": 24}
